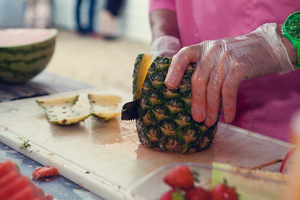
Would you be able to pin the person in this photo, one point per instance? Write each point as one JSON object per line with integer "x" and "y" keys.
{"x": 89, "y": 28}
{"x": 109, "y": 18}
{"x": 238, "y": 48}
{"x": 38, "y": 14}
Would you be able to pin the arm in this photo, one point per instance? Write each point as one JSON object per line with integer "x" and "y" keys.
{"x": 163, "y": 22}
{"x": 165, "y": 37}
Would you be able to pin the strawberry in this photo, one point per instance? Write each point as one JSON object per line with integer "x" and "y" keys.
{"x": 180, "y": 177}
{"x": 223, "y": 192}
{"x": 167, "y": 195}
{"x": 172, "y": 195}
{"x": 198, "y": 193}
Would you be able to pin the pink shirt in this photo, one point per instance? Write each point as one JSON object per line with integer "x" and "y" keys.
{"x": 200, "y": 20}
{"x": 265, "y": 105}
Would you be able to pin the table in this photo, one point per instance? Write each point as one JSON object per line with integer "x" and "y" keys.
{"x": 43, "y": 84}
{"x": 113, "y": 157}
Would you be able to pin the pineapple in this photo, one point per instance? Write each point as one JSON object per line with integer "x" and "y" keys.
{"x": 59, "y": 110}
{"x": 105, "y": 107}
{"x": 165, "y": 122}
{"x": 141, "y": 66}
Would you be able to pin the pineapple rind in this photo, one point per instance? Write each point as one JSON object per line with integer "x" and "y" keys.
{"x": 165, "y": 122}
{"x": 105, "y": 106}
{"x": 60, "y": 110}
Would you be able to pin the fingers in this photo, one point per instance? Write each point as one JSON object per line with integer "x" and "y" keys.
{"x": 215, "y": 77}
{"x": 199, "y": 83}
{"x": 229, "y": 100}
{"x": 179, "y": 65}
{"x": 206, "y": 86}
{"x": 230, "y": 90}
{"x": 213, "y": 94}
{"x": 210, "y": 83}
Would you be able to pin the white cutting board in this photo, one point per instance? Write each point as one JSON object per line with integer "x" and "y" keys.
{"x": 106, "y": 157}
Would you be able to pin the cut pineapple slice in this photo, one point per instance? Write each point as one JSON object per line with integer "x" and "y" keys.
{"x": 105, "y": 106}
{"x": 60, "y": 110}
{"x": 250, "y": 184}
{"x": 142, "y": 64}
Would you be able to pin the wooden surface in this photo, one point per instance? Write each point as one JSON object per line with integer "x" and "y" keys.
{"x": 106, "y": 157}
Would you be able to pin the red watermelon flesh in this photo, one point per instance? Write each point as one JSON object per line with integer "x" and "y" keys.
{"x": 7, "y": 166}
{"x": 29, "y": 191}
{"x": 47, "y": 197}
{"x": 14, "y": 186}
{"x": 8, "y": 177}
{"x": 19, "y": 37}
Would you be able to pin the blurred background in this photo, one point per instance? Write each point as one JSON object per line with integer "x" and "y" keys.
{"x": 91, "y": 58}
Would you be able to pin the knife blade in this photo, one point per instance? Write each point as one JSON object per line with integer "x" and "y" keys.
{"x": 130, "y": 110}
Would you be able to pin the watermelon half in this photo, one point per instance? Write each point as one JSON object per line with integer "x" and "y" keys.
{"x": 24, "y": 53}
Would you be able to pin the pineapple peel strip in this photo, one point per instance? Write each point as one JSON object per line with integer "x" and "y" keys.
{"x": 60, "y": 110}
{"x": 105, "y": 106}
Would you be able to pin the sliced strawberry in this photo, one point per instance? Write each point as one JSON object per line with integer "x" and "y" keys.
{"x": 43, "y": 172}
{"x": 223, "y": 192}
{"x": 180, "y": 177}
{"x": 198, "y": 193}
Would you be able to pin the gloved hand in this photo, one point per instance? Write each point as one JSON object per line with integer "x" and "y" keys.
{"x": 166, "y": 46}
{"x": 222, "y": 64}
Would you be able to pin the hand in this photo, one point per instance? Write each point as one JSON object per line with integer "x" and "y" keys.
{"x": 222, "y": 64}
{"x": 166, "y": 46}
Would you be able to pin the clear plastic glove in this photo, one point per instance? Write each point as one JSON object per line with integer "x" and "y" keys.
{"x": 222, "y": 64}
{"x": 166, "y": 46}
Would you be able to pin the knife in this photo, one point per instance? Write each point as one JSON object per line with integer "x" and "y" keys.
{"x": 130, "y": 110}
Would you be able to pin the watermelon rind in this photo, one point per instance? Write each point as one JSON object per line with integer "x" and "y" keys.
{"x": 21, "y": 63}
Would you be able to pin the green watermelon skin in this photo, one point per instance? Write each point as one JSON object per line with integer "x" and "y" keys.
{"x": 21, "y": 63}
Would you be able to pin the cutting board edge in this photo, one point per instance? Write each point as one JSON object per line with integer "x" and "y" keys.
{"x": 80, "y": 175}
